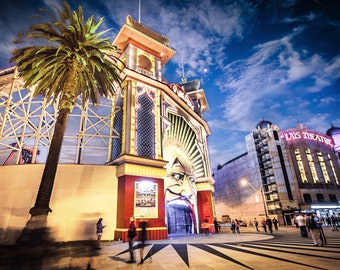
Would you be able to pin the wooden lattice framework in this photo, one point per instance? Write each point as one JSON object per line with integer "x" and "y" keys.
{"x": 28, "y": 123}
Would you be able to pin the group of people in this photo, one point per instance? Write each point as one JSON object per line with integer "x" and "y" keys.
{"x": 267, "y": 224}
{"x": 235, "y": 226}
{"x": 313, "y": 224}
{"x": 306, "y": 223}
{"x": 132, "y": 233}
{"x": 333, "y": 221}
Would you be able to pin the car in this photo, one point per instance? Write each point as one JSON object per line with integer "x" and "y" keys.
{"x": 225, "y": 225}
{"x": 228, "y": 224}
{"x": 242, "y": 224}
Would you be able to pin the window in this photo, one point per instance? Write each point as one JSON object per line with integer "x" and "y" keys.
{"x": 276, "y": 136}
{"x": 312, "y": 166}
{"x": 145, "y": 131}
{"x": 332, "y": 197}
{"x": 333, "y": 170}
{"x": 323, "y": 167}
{"x": 144, "y": 62}
{"x": 320, "y": 197}
{"x": 307, "y": 198}
{"x": 300, "y": 165}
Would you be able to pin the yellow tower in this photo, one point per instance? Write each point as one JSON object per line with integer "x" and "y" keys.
{"x": 161, "y": 153}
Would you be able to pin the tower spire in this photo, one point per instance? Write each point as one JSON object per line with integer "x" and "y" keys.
{"x": 139, "y": 8}
{"x": 184, "y": 79}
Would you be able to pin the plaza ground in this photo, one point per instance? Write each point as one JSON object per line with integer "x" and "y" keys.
{"x": 250, "y": 250}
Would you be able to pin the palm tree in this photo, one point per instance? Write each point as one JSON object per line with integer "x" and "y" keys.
{"x": 76, "y": 61}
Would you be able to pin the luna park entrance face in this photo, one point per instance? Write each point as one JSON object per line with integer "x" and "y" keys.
{"x": 180, "y": 217}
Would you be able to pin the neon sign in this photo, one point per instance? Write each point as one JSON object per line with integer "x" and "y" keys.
{"x": 306, "y": 135}
{"x": 180, "y": 92}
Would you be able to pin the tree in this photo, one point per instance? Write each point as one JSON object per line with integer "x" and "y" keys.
{"x": 75, "y": 61}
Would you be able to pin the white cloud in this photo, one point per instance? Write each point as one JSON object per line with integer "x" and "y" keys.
{"x": 269, "y": 78}
{"x": 325, "y": 101}
{"x": 305, "y": 18}
{"x": 255, "y": 82}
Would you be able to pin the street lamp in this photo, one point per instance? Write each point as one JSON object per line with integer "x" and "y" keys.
{"x": 246, "y": 182}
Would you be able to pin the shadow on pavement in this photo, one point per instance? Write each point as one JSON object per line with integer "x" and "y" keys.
{"x": 68, "y": 255}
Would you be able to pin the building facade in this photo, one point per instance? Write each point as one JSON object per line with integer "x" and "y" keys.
{"x": 151, "y": 139}
{"x": 284, "y": 171}
{"x": 334, "y": 132}
{"x": 316, "y": 165}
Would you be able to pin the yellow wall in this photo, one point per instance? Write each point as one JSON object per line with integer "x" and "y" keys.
{"x": 81, "y": 194}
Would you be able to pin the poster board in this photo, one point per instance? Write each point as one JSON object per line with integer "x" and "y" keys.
{"x": 146, "y": 198}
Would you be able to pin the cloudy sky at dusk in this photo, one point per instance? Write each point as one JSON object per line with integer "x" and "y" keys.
{"x": 274, "y": 60}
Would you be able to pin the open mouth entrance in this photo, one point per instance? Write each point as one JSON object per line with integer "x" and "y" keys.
{"x": 180, "y": 217}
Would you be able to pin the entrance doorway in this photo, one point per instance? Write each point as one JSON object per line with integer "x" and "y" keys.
{"x": 180, "y": 217}
{"x": 288, "y": 219}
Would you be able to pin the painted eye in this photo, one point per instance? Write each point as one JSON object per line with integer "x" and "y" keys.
{"x": 178, "y": 176}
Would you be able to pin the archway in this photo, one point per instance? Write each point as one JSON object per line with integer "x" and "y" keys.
{"x": 186, "y": 163}
{"x": 180, "y": 217}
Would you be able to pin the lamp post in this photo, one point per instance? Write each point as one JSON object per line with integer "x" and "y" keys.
{"x": 246, "y": 182}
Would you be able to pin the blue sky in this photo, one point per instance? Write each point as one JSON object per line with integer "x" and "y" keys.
{"x": 273, "y": 60}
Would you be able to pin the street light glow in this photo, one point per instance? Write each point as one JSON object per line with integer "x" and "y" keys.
{"x": 245, "y": 182}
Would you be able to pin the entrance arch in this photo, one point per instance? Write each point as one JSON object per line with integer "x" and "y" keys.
{"x": 182, "y": 149}
{"x": 180, "y": 217}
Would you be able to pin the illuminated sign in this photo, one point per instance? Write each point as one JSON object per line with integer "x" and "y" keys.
{"x": 180, "y": 92}
{"x": 306, "y": 135}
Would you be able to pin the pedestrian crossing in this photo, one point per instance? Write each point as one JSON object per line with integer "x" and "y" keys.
{"x": 284, "y": 251}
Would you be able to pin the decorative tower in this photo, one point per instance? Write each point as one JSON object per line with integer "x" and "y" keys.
{"x": 160, "y": 150}
{"x": 334, "y": 132}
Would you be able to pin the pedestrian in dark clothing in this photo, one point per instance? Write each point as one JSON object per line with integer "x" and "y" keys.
{"x": 334, "y": 223}
{"x": 99, "y": 230}
{"x": 275, "y": 222}
{"x": 269, "y": 224}
{"x": 233, "y": 226}
{"x": 131, "y": 237}
{"x": 143, "y": 237}
{"x": 315, "y": 227}
{"x": 216, "y": 225}
{"x": 256, "y": 224}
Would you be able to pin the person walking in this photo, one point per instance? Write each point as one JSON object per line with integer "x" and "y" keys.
{"x": 143, "y": 237}
{"x": 216, "y": 225}
{"x": 131, "y": 237}
{"x": 334, "y": 223}
{"x": 237, "y": 227}
{"x": 233, "y": 226}
{"x": 302, "y": 223}
{"x": 99, "y": 230}
{"x": 276, "y": 223}
{"x": 264, "y": 225}
{"x": 314, "y": 228}
{"x": 269, "y": 224}
{"x": 319, "y": 222}
{"x": 256, "y": 224}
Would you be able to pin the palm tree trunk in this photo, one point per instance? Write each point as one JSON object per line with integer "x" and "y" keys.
{"x": 36, "y": 231}
{"x": 42, "y": 202}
